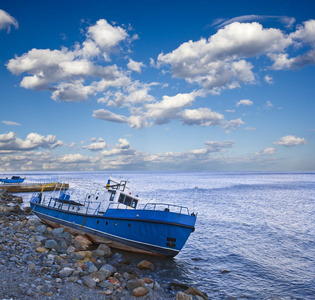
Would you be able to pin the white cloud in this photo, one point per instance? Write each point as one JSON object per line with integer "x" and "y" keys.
{"x": 303, "y": 36}
{"x": 217, "y": 146}
{"x": 96, "y": 146}
{"x": 122, "y": 148}
{"x": 268, "y": 105}
{"x": 74, "y": 158}
{"x": 133, "y": 94}
{"x": 102, "y": 38}
{"x": 10, "y": 142}
{"x": 109, "y": 116}
{"x": 266, "y": 151}
{"x": 75, "y": 91}
{"x": 65, "y": 71}
{"x": 233, "y": 124}
{"x": 244, "y": 102}
{"x": 287, "y": 21}
{"x": 268, "y": 79}
{"x": 135, "y": 66}
{"x": 201, "y": 116}
{"x": 305, "y": 33}
{"x": 219, "y": 62}
{"x": 6, "y": 21}
{"x": 170, "y": 107}
{"x": 290, "y": 140}
{"x": 10, "y": 123}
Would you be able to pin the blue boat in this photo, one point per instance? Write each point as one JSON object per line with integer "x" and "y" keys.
{"x": 13, "y": 179}
{"x": 114, "y": 217}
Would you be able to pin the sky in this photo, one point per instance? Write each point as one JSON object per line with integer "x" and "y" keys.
{"x": 157, "y": 85}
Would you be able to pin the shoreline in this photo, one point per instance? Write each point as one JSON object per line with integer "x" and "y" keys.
{"x": 39, "y": 262}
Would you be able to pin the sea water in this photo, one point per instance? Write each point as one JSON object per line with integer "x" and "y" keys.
{"x": 255, "y": 231}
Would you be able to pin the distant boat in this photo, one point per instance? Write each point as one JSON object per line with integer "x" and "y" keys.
{"x": 113, "y": 218}
{"x": 13, "y": 179}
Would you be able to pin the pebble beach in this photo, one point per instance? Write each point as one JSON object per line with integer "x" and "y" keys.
{"x": 39, "y": 262}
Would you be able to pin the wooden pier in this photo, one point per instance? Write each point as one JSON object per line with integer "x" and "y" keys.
{"x": 32, "y": 187}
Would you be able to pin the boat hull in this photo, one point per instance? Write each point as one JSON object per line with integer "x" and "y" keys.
{"x": 141, "y": 231}
{"x": 12, "y": 180}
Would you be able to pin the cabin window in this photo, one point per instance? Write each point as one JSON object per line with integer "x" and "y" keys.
{"x": 112, "y": 196}
{"x": 128, "y": 201}
{"x": 121, "y": 198}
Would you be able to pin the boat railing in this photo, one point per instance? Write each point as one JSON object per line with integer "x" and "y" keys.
{"x": 167, "y": 207}
{"x": 77, "y": 207}
{"x": 118, "y": 205}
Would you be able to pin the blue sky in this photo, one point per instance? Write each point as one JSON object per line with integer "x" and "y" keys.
{"x": 157, "y": 85}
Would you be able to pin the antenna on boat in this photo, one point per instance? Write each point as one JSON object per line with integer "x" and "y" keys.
{"x": 196, "y": 189}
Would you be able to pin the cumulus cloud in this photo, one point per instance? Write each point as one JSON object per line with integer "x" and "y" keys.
{"x": 290, "y": 140}
{"x": 302, "y": 37}
{"x": 74, "y": 158}
{"x": 201, "y": 116}
{"x": 135, "y": 66}
{"x": 233, "y": 124}
{"x": 266, "y": 151}
{"x": 122, "y": 148}
{"x": 136, "y": 93}
{"x": 9, "y": 142}
{"x": 268, "y": 79}
{"x": 65, "y": 71}
{"x": 6, "y": 21}
{"x": 222, "y": 61}
{"x": 96, "y": 146}
{"x": 244, "y": 102}
{"x": 102, "y": 38}
{"x": 219, "y": 61}
{"x": 170, "y": 107}
{"x": 10, "y": 123}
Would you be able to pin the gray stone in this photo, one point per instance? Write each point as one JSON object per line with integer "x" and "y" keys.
{"x": 98, "y": 253}
{"x": 183, "y": 296}
{"x": 52, "y": 244}
{"x": 33, "y": 222}
{"x": 105, "y": 284}
{"x": 97, "y": 276}
{"x": 62, "y": 244}
{"x": 70, "y": 250}
{"x": 178, "y": 285}
{"x": 41, "y": 229}
{"x": 134, "y": 283}
{"x": 108, "y": 270}
{"x": 65, "y": 272}
{"x": 58, "y": 231}
{"x": 106, "y": 249}
{"x": 92, "y": 269}
{"x": 89, "y": 282}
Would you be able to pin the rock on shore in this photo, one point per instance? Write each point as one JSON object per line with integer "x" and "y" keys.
{"x": 39, "y": 262}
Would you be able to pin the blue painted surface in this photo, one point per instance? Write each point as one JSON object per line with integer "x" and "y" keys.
{"x": 159, "y": 232}
{"x": 12, "y": 180}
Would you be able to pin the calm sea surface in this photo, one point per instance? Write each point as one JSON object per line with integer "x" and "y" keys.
{"x": 255, "y": 232}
